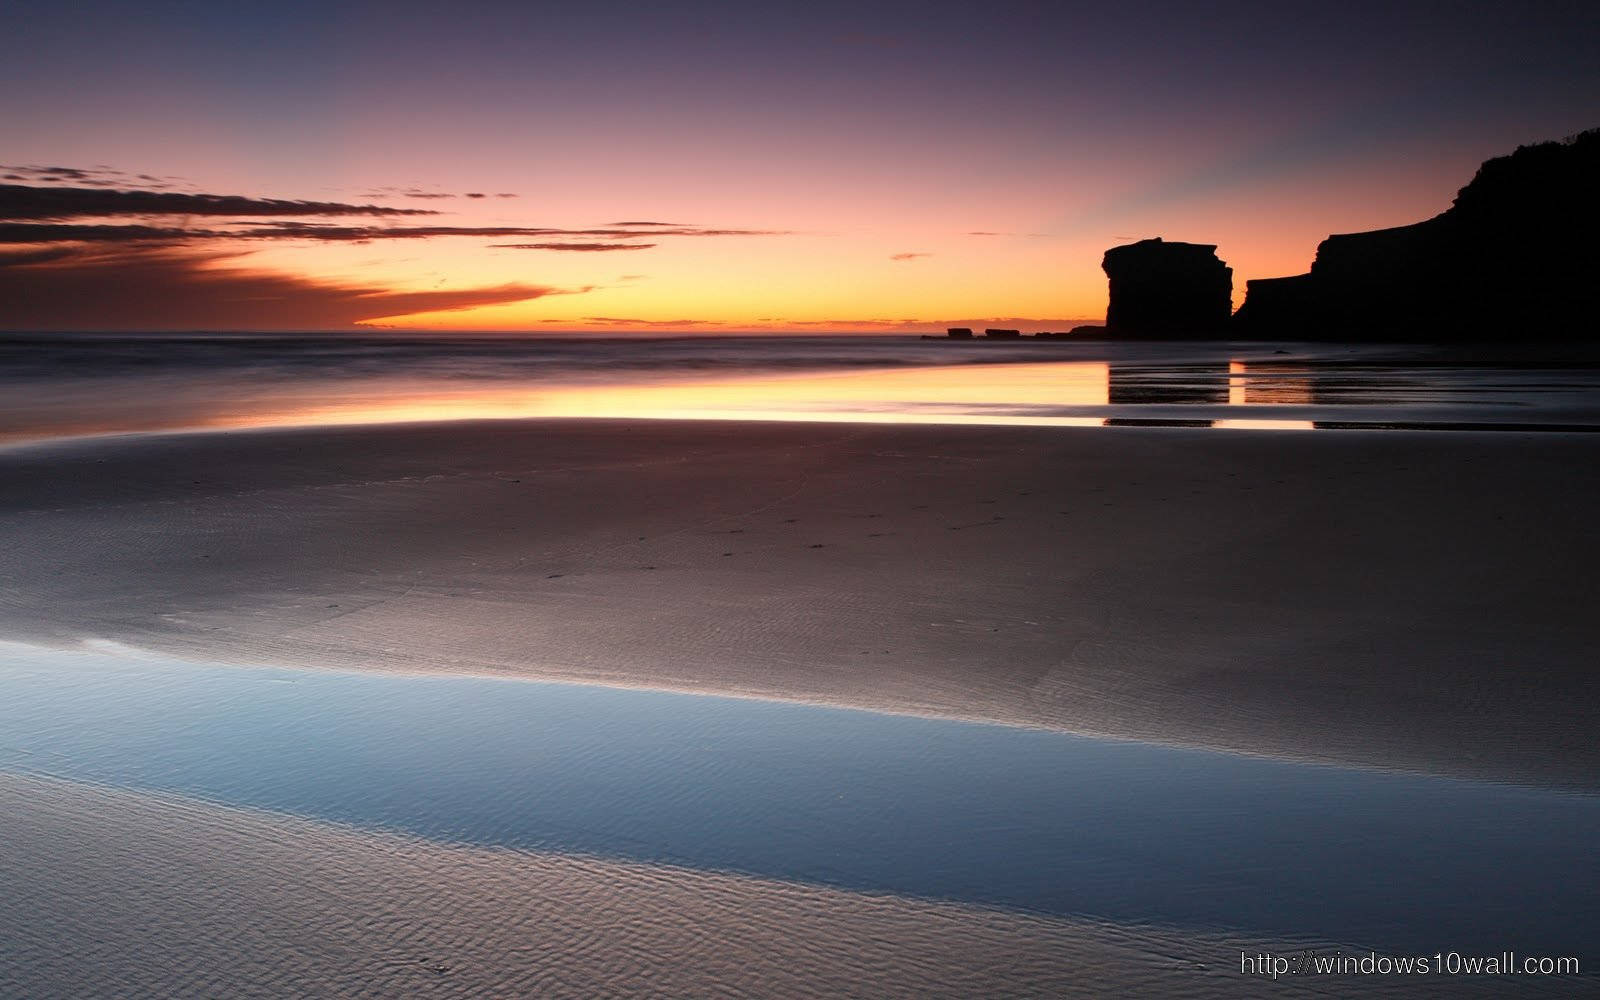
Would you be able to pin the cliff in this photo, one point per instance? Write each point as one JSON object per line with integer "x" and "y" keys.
{"x": 1516, "y": 256}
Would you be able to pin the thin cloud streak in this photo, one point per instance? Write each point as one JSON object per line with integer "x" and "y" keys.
{"x": 633, "y": 321}
{"x": 33, "y": 233}
{"x": 86, "y": 176}
{"x": 424, "y": 193}
{"x": 580, "y": 247}
{"x": 322, "y": 231}
{"x": 30, "y": 232}
{"x": 21, "y": 202}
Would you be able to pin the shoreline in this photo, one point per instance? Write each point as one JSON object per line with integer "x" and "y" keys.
{"x": 64, "y": 390}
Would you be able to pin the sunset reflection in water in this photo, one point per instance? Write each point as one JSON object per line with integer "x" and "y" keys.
{"x": 1004, "y": 394}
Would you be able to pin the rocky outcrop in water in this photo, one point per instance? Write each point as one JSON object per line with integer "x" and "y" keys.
{"x": 1517, "y": 256}
{"x": 1167, "y": 290}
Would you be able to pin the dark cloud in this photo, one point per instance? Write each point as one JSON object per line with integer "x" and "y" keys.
{"x": 641, "y": 230}
{"x": 29, "y": 232}
{"x": 394, "y": 192}
{"x": 142, "y": 288}
{"x": 16, "y": 258}
{"x": 908, "y": 256}
{"x": 324, "y": 231}
{"x": 23, "y": 202}
{"x": 99, "y": 176}
{"x": 582, "y": 247}
{"x": 34, "y": 214}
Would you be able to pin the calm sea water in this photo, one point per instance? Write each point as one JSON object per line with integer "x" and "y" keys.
{"x": 68, "y": 385}
{"x": 1039, "y": 820}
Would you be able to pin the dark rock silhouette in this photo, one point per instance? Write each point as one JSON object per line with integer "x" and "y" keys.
{"x": 1088, "y": 331}
{"x": 1002, "y": 334}
{"x": 1515, "y": 257}
{"x": 1167, "y": 290}
{"x": 959, "y": 333}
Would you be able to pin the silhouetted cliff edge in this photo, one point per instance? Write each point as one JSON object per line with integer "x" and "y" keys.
{"x": 1516, "y": 257}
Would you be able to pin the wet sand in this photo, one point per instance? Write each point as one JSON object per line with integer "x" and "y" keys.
{"x": 155, "y": 886}
{"x": 1391, "y": 599}
{"x": 133, "y": 895}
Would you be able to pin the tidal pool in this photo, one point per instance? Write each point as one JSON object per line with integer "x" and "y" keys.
{"x": 1020, "y": 818}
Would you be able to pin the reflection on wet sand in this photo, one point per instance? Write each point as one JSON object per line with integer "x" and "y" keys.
{"x": 1175, "y": 384}
{"x": 1230, "y": 383}
{"x": 1268, "y": 383}
{"x": 951, "y": 394}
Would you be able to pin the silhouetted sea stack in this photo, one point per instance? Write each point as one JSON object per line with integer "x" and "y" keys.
{"x": 1167, "y": 290}
{"x": 994, "y": 334}
{"x": 1516, "y": 257}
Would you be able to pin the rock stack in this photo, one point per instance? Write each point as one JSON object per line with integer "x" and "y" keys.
{"x": 1167, "y": 290}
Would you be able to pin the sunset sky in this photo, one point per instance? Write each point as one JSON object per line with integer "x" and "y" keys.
{"x": 727, "y": 167}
